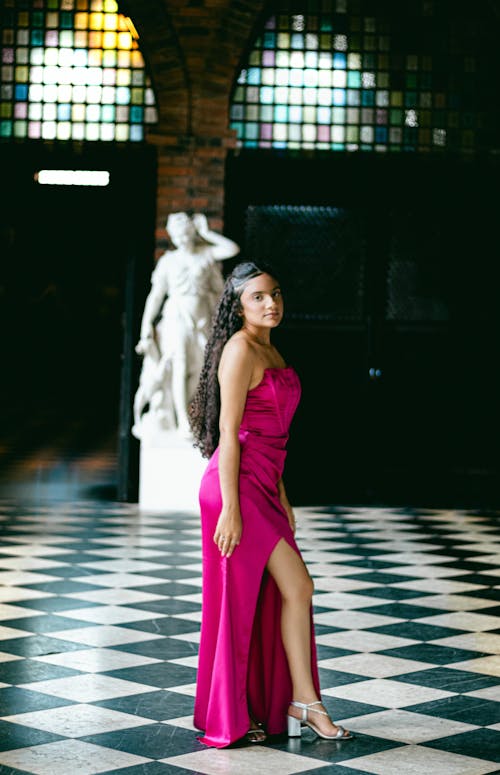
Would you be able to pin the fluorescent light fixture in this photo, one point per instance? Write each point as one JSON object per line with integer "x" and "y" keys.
{"x": 72, "y": 177}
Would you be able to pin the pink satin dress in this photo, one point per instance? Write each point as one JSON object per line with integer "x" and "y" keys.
{"x": 242, "y": 663}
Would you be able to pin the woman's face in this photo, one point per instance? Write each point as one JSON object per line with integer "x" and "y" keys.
{"x": 262, "y": 302}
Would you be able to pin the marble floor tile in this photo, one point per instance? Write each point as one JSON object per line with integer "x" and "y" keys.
{"x": 67, "y": 756}
{"x": 184, "y": 722}
{"x": 413, "y": 558}
{"x": 463, "y": 620}
{"x": 350, "y": 620}
{"x": 97, "y": 660}
{"x": 186, "y": 661}
{"x": 488, "y": 665}
{"x": 19, "y": 577}
{"x": 405, "y": 727}
{"x": 34, "y": 550}
{"x": 346, "y": 601}
{"x": 191, "y": 637}
{"x": 115, "y": 596}
{"x": 454, "y": 602}
{"x": 125, "y": 552}
{"x": 439, "y": 586}
{"x": 419, "y": 760}
{"x": 373, "y": 665}
{"x": 488, "y": 693}
{"x": 8, "y": 658}
{"x": 482, "y": 546}
{"x": 490, "y": 559}
{"x": 475, "y": 641}
{"x": 318, "y": 556}
{"x": 104, "y": 635}
{"x": 427, "y": 571}
{"x": 403, "y": 544}
{"x": 111, "y": 614}
{"x": 195, "y": 597}
{"x": 248, "y": 761}
{"x": 193, "y": 567}
{"x": 387, "y": 693}
{"x": 121, "y": 580}
{"x": 130, "y": 540}
{"x": 341, "y": 584}
{"x": 16, "y": 612}
{"x": 362, "y": 640}
{"x": 12, "y": 594}
{"x": 26, "y": 562}
{"x": 122, "y": 566}
{"x": 332, "y": 569}
{"x": 483, "y": 742}
{"x": 190, "y": 616}
{"x": 7, "y": 633}
{"x": 78, "y": 720}
{"x": 87, "y": 688}
{"x": 189, "y": 689}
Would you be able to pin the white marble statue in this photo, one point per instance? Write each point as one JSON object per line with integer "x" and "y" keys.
{"x": 186, "y": 284}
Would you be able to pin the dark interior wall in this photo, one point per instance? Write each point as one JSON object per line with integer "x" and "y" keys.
{"x": 427, "y": 428}
{"x": 67, "y": 255}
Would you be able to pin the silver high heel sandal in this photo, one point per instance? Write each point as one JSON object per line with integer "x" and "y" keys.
{"x": 295, "y": 724}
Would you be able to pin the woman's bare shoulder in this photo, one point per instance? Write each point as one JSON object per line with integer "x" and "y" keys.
{"x": 237, "y": 354}
{"x": 238, "y": 346}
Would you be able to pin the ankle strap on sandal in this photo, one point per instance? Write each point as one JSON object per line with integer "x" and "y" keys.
{"x": 306, "y": 707}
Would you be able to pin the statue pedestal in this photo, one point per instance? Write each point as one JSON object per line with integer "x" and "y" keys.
{"x": 170, "y": 473}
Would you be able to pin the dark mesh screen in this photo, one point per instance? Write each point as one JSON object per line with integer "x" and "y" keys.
{"x": 318, "y": 254}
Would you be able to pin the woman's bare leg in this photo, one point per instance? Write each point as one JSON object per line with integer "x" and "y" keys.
{"x": 296, "y": 588}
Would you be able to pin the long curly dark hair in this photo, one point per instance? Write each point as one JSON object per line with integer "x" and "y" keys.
{"x": 204, "y": 409}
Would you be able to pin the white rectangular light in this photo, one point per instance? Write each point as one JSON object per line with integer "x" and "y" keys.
{"x": 72, "y": 177}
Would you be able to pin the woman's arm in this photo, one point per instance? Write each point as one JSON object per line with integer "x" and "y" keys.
{"x": 286, "y": 504}
{"x": 235, "y": 373}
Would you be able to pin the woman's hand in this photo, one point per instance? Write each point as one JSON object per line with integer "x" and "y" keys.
{"x": 228, "y": 532}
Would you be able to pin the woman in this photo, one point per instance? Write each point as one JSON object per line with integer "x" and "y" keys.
{"x": 257, "y": 667}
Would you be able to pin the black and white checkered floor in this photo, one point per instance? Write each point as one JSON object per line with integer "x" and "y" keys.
{"x": 100, "y": 613}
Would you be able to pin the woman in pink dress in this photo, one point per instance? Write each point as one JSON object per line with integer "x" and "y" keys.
{"x": 257, "y": 671}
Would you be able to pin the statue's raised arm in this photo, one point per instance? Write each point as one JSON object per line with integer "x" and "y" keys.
{"x": 221, "y": 247}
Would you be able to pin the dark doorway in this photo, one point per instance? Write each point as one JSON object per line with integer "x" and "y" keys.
{"x": 389, "y": 266}
{"x": 68, "y": 255}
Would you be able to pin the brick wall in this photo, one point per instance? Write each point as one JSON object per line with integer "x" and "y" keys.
{"x": 193, "y": 49}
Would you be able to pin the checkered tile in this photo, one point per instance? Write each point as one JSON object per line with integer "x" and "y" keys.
{"x": 99, "y": 631}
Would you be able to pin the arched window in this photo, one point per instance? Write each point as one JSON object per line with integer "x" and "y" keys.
{"x": 358, "y": 75}
{"x": 72, "y": 70}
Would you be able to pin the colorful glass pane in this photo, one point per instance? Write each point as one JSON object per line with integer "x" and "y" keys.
{"x": 340, "y": 75}
{"x": 75, "y": 71}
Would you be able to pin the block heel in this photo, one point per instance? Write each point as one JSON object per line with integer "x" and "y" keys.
{"x": 294, "y": 727}
{"x": 295, "y": 724}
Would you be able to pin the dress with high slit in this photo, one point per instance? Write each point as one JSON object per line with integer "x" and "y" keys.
{"x": 242, "y": 666}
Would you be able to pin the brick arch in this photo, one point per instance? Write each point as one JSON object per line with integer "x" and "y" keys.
{"x": 193, "y": 51}
{"x": 161, "y": 48}
{"x": 228, "y": 45}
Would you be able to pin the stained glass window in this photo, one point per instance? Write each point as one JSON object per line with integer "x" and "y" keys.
{"x": 345, "y": 75}
{"x": 72, "y": 70}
